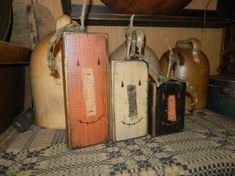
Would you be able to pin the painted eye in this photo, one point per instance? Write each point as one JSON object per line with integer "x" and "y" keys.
{"x": 122, "y": 84}
{"x": 98, "y": 62}
{"x": 139, "y": 83}
{"x": 78, "y": 63}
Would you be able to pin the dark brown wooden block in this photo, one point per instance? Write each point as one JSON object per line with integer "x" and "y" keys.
{"x": 13, "y": 59}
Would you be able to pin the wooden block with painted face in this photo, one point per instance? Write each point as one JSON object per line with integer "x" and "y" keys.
{"x": 129, "y": 87}
{"x": 169, "y": 108}
{"x": 86, "y": 91}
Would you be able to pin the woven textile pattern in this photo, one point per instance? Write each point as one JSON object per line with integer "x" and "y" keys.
{"x": 205, "y": 147}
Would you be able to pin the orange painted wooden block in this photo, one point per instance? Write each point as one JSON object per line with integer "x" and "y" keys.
{"x": 129, "y": 87}
{"x": 86, "y": 91}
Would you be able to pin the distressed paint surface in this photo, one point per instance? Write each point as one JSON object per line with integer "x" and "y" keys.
{"x": 85, "y": 69}
{"x": 129, "y": 99}
{"x": 89, "y": 91}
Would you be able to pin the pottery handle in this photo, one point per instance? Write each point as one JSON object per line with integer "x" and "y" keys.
{"x": 129, "y": 36}
{"x": 192, "y": 44}
{"x": 140, "y": 42}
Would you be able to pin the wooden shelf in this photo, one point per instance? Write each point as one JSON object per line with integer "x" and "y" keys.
{"x": 99, "y": 15}
{"x": 13, "y": 54}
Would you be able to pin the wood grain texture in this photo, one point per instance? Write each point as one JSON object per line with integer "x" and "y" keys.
{"x": 152, "y": 98}
{"x": 195, "y": 4}
{"x": 146, "y": 6}
{"x": 86, "y": 90}
{"x": 13, "y": 60}
{"x": 13, "y": 54}
{"x": 21, "y": 28}
{"x": 27, "y": 89}
{"x": 7, "y": 138}
{"x": 11, "y": 94}
{"x": 54, "y": 6}
{"x": 41, "y": 22}
{"x": 129, "y": 99}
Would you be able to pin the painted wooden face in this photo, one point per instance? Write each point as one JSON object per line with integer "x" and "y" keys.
{"x": 129, "y": 98}
{"x": 132, "y": 116}
{"x": 87, "y": 92}
{"x": 87, "y": 70}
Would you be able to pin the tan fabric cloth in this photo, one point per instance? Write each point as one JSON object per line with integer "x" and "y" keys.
{"x": 205, "y": 147}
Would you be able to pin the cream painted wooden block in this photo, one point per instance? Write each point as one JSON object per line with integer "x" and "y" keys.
{"x": 129, "y": 87}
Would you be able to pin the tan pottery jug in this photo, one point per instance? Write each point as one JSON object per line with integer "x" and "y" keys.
{"x": 190, "y": 64}
{"x": 47, "y": 90}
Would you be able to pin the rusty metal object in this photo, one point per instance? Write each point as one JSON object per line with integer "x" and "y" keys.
{"x": 191, "y": 65}
{"x": 146, "y": 6}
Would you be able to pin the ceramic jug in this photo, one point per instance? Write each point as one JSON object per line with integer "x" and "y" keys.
{"x": 190, "y": 64}
{"x": 47, "y": 89}
{"x": 136, "y": 43}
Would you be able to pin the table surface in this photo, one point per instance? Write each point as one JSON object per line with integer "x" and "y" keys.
{"x": 206, "y": 146}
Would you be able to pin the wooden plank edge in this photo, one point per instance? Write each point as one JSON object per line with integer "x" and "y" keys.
{"x": 7, "y": 137}
{"x": 14, "y": 54}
